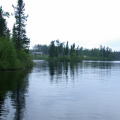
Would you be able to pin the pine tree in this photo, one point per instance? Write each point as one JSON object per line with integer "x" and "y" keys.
{"x": 14, "y": 35}
{"x": 52, "y": 49}
{"x": 77, "y": 51}
{"x": 66, "y": 52}
{"x": 21, "y": 40}
{"x": 3, "y": 24}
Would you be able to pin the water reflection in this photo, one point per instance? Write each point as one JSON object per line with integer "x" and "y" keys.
{"x": 87, "y": 90}
{"x": 52, "y": 68}
{"x": 98, "y": 64}
{"x": 13, "y": 87}
{"x": 55, "y": 70}
{"x": 63, "y": 71}
{"x": 90, "y": 88}
{"x": 40, "y": 66}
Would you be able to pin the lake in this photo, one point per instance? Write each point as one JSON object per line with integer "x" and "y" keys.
{"x": 89, "y": 90}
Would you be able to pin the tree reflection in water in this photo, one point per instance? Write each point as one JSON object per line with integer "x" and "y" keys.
{"x": 59, "y": 70}
{"x": 15, "y": 83}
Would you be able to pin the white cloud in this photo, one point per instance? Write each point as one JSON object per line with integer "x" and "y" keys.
{"x": 88, "y": 23}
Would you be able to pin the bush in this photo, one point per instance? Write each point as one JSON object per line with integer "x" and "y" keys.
{"x": 8, "y": 56}
{"x": 25, "y": 59}
{"x": 10, "y": 59}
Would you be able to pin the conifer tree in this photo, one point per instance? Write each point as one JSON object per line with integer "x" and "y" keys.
{"x": 3, "y": 24}
{"x": 14, "y": 35}
{"x": 52, "y": 49}
{"x": 21, "y": 40}
{"x": 66, "y": 52}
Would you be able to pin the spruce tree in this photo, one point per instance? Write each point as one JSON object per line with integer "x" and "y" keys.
{"x": 3, "y": 24}
{"x": 21, "y": 40}
{"x": 14, "y": 35}
{"x": 67, "y": 48}
{"x": 52, "y": 50}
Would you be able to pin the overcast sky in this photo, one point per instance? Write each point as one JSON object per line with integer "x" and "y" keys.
{"x": 88, "y": 23}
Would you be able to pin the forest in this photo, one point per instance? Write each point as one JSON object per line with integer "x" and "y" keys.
{"x": 14, "y": 46}
{"x": 64, "y": 52}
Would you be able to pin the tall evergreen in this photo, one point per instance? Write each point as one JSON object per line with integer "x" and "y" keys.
{"x": 14, "y": 35}
{"x": 21, "y": 40}
{"x": 77, "y": 51}
{"x": 67, "y": 49}
{"x": 3, "y": 24}
{"x": 52, "y": 49}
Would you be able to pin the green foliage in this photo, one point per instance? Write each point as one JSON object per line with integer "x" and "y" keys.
{"x": 19, "y": 32}
{"x": 8, "y": 56}
{"x": 117, "y": 55}
{"x": 52, "y": 50}
{"x": 66, "y": 49}
{"x": 3, "y": 24}
{"x": 76, "y": 59}
{"x": 111, "y": 56}
{"x": 14, "y": 52}
{"x": 41, "y": 48}
{"x": 72, "y": 55}
{"x": 25, "y": 59}
{"x": 102, "y": 53}
{"x": 6, "y": 14}
{"x": 58, "y": 52}
{"x": 9, "y": 59}
{"x": 64, "y": 58}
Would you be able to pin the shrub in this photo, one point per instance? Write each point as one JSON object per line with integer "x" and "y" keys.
{"x": 10, "y": 59}
{"x": 25, "y": 59}
{"x": 8, "y": 56}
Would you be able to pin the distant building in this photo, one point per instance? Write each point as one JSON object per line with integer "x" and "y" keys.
{"x": 37, "y": 53}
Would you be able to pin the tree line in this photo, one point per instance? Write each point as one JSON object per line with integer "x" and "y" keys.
{"x": 57, "y": 49}
{"x": 14, "y": 46}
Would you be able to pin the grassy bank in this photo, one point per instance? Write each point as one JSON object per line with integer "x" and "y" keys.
{"x": 57, "y": 59}
{"x": 97, "y": 58}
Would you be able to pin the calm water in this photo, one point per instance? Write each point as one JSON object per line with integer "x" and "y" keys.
{"x": 89, "y": 90}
